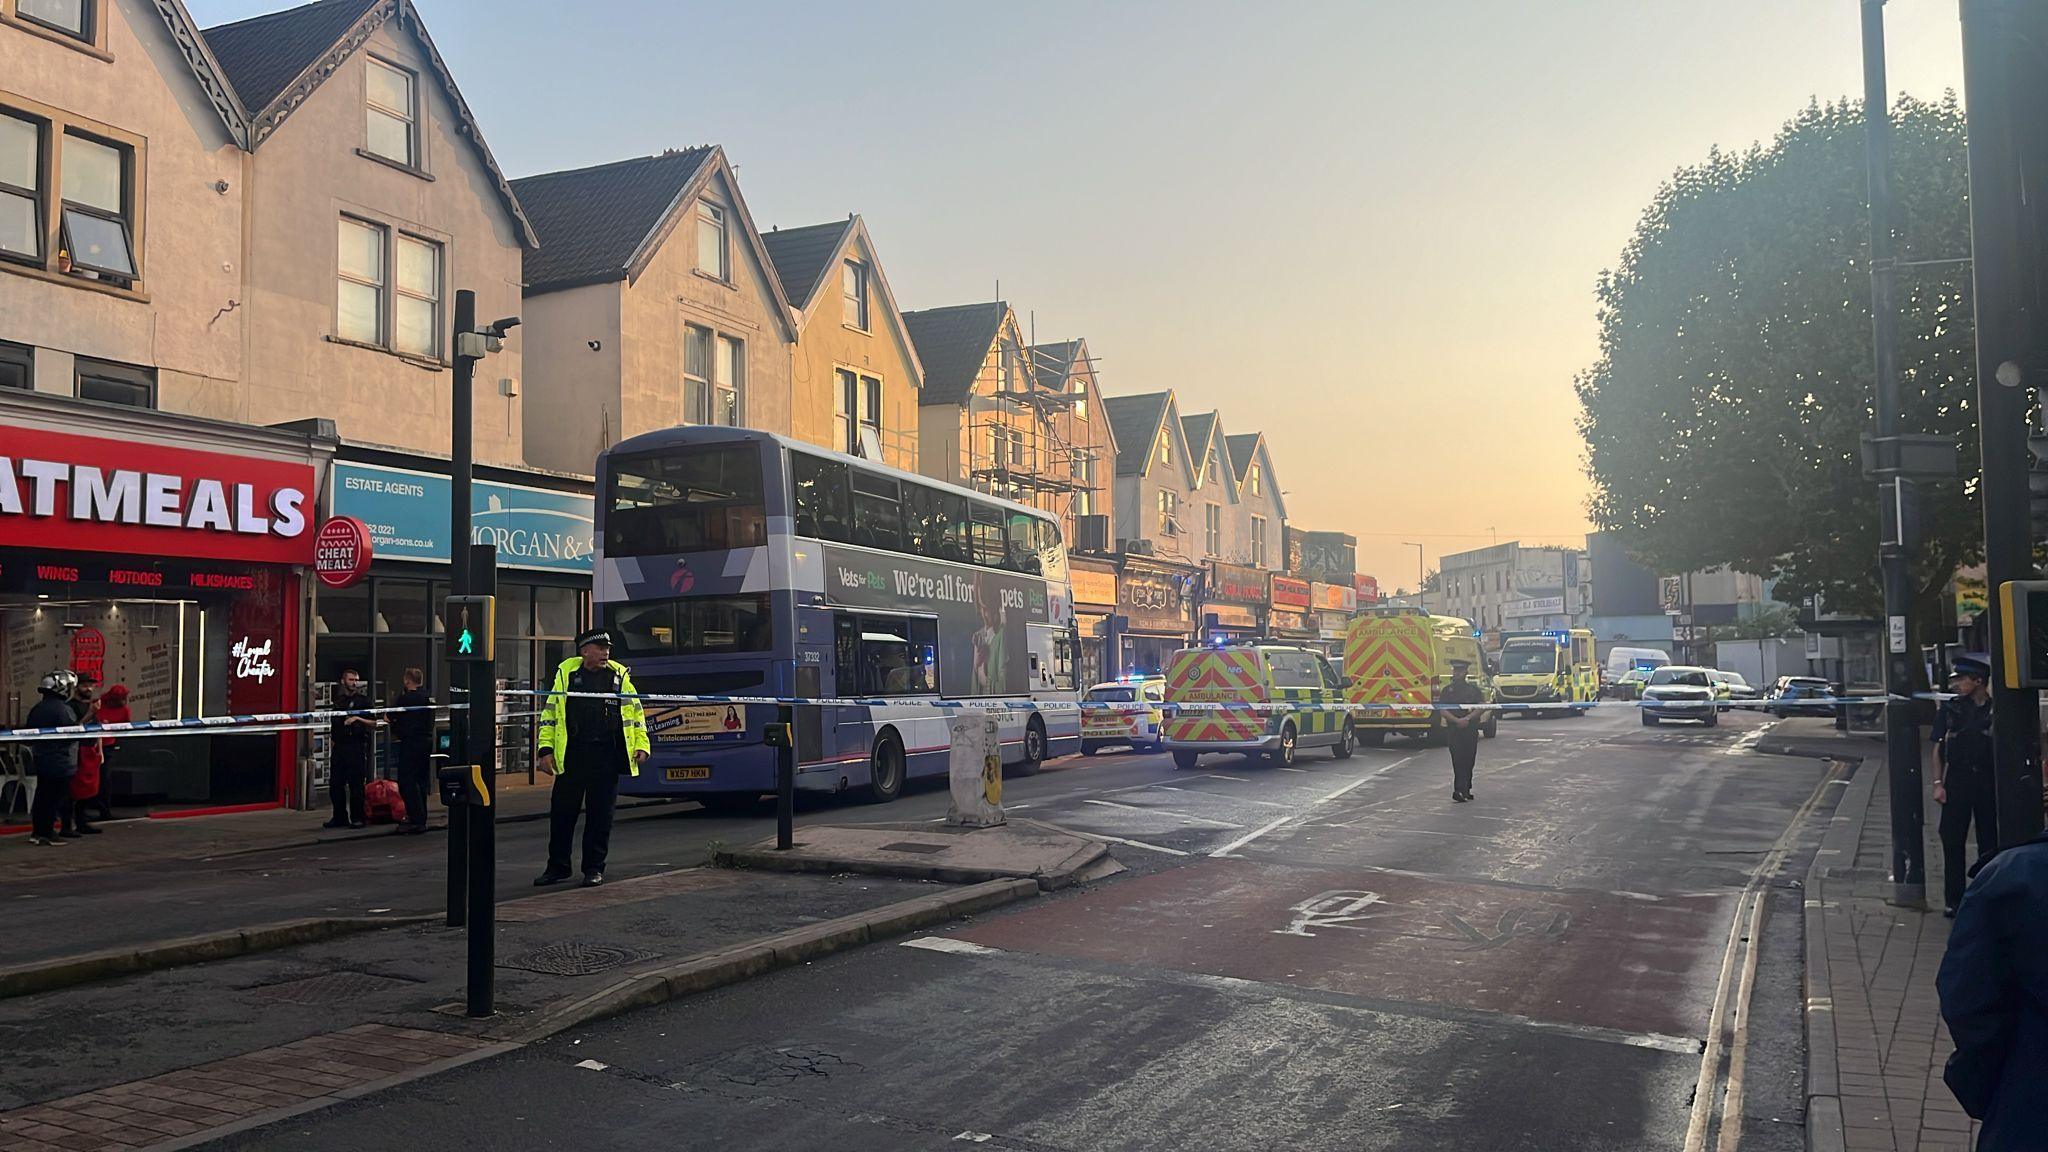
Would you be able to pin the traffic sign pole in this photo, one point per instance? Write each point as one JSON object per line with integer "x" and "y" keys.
{"x": 483, "y": 750}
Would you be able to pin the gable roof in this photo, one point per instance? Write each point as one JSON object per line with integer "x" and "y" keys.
{"x": 593, "y": 221}
{"x": 1244, "y": 448}
{"x": 1135, "y": 421}
{"x": 953, "y": 344}
{"x": 1200, "y": 432}
{"x": 272, "y": 64}
{"x": 801, "y": 256}
{"x": 264, "y": 54}
{"x": 206, "y": 69}
{"x": 1053, "y": 363}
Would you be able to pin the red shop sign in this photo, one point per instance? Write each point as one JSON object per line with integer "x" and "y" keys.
{"x": 341, "y": 552}
{"x": 82, "y": 493}
{"x": 1290, "y": 593}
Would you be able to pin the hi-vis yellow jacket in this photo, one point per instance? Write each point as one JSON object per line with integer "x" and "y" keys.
{"x": 554, "y": 717}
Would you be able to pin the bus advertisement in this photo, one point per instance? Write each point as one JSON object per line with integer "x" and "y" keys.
{"x": 731, "y": 562}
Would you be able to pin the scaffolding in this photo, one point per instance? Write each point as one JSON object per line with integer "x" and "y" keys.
{"x": 1017, "y": 448}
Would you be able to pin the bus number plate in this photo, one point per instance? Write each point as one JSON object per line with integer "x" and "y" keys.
{"x": 687, "y": 773}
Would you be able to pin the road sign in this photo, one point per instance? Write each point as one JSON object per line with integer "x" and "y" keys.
{"x": 471, "y": 623}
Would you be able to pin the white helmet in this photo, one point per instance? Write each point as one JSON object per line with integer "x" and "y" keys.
{"x": 60, "y": 683}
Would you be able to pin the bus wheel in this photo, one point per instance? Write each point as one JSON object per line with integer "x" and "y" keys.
{"x": 885, "y": 770}
{"x": 1034, "y": 748}
{"x": 1347, "y": 742}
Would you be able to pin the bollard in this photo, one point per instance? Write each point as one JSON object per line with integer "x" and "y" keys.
{"x": 782, "y": 737}
{"x": 975, "y": 772}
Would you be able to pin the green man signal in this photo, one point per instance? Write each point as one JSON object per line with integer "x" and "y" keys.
{"x": 473, "y": 622}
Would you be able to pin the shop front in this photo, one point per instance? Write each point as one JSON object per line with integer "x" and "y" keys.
{"x": 1155, "y": 613}
{"x": 1334, "y": 605}
{"x": 1094, "y": 584}
{"x": 391, "y": 621}
{"x": 1234, "y": 600}
{"x": 136, "y": 557}
{"x": 1289, "y": 618}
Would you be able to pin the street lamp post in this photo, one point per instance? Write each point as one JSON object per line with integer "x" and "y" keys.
{"x": 1895, "y": 490}
{"x": 1420, "y": 597}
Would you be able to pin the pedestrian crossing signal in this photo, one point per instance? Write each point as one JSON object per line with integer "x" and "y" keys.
{"x": 472, "y": 627}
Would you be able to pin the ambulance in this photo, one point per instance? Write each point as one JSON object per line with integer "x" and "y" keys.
{"x": 1137, "y": 723}
{"x": 1555, "y": 667}
{"x": 1396, "y": 659}
{"x": 1297, "y": 700}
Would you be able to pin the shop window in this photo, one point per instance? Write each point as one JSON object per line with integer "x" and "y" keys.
{"x": 403, "y": 609}
{"x": 17, "y": 366}
{"x": 343, "y": 611}
{"x": 558, "y": 613}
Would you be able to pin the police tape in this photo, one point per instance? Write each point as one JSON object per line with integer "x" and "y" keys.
{"x": 254, "y": 723}
{"x": 270, "y": 722}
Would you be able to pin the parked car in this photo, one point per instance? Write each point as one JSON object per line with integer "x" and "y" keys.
{"x": 1800, "y": 696}
{"x": 1681, "y": 692}
{"x": 1630, "y": 686}
{"x": 1738, "y": 688}
{"x": 1103, "y": 724}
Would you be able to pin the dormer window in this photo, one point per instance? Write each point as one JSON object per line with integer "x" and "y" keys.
{"x": 391, "y": 107}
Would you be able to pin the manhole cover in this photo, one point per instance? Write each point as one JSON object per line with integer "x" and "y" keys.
{"x": 576, "y": 958}
{"x": 907, "y": 846}
{"x": 333, "y": 988}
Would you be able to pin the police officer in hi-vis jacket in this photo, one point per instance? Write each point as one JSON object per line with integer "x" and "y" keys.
{"x": 592, "y": 731}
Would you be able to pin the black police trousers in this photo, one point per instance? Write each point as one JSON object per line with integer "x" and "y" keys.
{"x": 588, "y": 783}
{"x": 1971, "y": 795}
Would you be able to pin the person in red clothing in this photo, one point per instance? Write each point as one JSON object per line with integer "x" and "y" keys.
{"x": 85, "y": 781}
{"x": 113, "y": 709}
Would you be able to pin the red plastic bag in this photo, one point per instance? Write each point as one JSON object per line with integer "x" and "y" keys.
{"x": 384, "y": 803}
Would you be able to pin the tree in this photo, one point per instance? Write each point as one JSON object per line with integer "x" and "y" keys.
{"x": 1774, "y": 622}
{"x": 1735, "y": 378}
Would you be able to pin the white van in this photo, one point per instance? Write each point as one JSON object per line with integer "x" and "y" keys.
{"x": 1626, "y": 668}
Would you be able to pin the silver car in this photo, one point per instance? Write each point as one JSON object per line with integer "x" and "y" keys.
{"x": 1679, "y": 692}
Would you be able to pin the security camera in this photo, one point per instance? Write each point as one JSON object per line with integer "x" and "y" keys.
{"x": 506, "y": 325}
{"x": 595, "y": 345}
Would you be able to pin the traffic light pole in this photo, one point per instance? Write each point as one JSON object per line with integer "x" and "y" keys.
{"x": 483, "y": 818}
{"x": 1895, "y": 551}
{"x": 2001, "y": 254}
{"x": 460, "y": 453}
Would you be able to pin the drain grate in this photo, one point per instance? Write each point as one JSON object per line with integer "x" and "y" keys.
{"x": 576, "y": 958}
{"x": 909, "y": 846}
{"x": 333, "y": 988}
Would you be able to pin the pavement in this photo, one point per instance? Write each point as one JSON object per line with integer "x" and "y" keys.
{"x": 1876, "y": 1042}
{"x": 1335, "y": 956}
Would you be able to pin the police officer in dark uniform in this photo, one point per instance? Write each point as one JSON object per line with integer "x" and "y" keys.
{"x": 593, "y": 730}
{"x": 1963, "y": 781}
{"x": 1461, "y": 726}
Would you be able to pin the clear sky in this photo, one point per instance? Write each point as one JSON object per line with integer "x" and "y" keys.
{"x": 1368, "y": 228}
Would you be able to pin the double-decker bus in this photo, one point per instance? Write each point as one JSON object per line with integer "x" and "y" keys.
{"x": 732, "y": 562}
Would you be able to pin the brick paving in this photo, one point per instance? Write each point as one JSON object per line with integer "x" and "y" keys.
{"x": 194, "y": 1100}
{"x": 1889, "y": 1037}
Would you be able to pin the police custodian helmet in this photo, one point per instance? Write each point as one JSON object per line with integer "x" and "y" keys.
{"x": 62, "y": 682}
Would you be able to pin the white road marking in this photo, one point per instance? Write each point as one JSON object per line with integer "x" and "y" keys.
{"x": 948, "y": 944}
{"x": 1241, "y": 841}
{"x": 973, "y": 1137}
{"x": 1164, "y": 812}
{"x": 1303, "y": 771}
{"x": 593, "y": 1065}
{"x": 1221, "y": 776}
{"x": 1749, "y": 740}
{"x": 1119, "y": 840}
